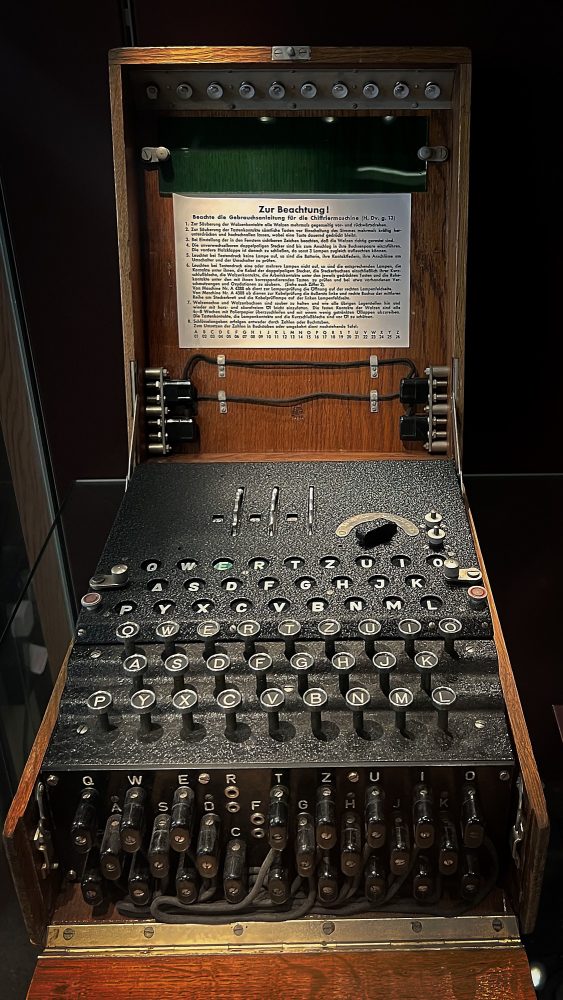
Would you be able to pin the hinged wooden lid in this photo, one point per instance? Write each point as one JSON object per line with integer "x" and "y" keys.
{"x": 144, "y": 97}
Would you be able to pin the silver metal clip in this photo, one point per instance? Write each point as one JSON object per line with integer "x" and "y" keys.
{"x": 290, "y": 53}
{"x": 433, "y": 154}
{"x": 222, "y": 397}
{"x": 221, "y": 366}
{"x": 373, "y": 401}
{"x": 155, "y": 154}
{"x": 518, "y": 830}
{"x": 373, "y": 366}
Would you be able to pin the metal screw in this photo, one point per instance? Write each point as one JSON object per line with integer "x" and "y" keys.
{"x": 81, "y": 631}
{"x": 277, "y": 793}
{"x": 95, "y": 654}
{"x": 208, "y": 821}
{"x": 81, "y": 730}
{"x": 497, "y": 925}
{"x": 302, "y": 821}
{"x": 71, "y": 875}
{"x": 148, "y": 932}
{"x": 68, "y": 933}
{"x": 325, "y": 793}
{"x": 238, "y": 929}
{"x": 479, "y": 724}
{"x": 204, "y": 778}
{"x": 53, "y": 780}
{"x": 416, "y": 926}
{"x": 235, "y": 847}
{"x": 504, "y": 776}
{"x": 328, "y": 927}
{"x": 182, "y": 794}
{"x": 353, "y": 776}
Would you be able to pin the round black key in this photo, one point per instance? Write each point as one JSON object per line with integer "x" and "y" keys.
{"x": 384, "y": 663}
{"x": 315, "y": 699}
{"x": 302, "y": 663}
{"x": 177, "y": 666}
{"x": 248, "y": 630}
{"x": 369, "y": 629}
{"x": 343, "y": 663}
{"x": 289, "y": 629}
{"x": 443, "y": 698}
{"x": 272, "y": 700}
{"x": 185, "y": 701}
{"x": 400, "y": 700}
{"x": 357, "y": 700}
{"x": 229, "y": 700}
{"x": 408, "y": 629}
{"x": 99, "y": 703}
{"x": 208, "y": 631}
{"x": 127, "y": 632}
{"x": 329, "y": 630}
{"x": 134, "y": 666}
{"x": 260, "y": 663}
{"x": 449, "y": 629}
{"x": 167, "y": 632}
{"x": 218, "y": 664}
{"x": 143, "y": 702}
{"x": 425, "y": 662}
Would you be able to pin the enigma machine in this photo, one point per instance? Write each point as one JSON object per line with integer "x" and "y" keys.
{"x": 288, "y": 719}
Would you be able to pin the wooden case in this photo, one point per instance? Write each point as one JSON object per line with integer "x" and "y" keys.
{"x": 321, "y": 432}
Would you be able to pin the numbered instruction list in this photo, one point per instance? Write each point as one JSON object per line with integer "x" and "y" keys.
{"x": 290, "y": 272}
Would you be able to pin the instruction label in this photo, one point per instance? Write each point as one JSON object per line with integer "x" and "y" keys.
{"x": 293, "y": 272}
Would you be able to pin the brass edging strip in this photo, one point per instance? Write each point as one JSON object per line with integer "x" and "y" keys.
{"x": 296, "y": 936}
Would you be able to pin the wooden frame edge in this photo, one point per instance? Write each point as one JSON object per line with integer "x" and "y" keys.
{"x": 536, "y": 834}
{"x": 259, "y": 53}
{"x": 20, "y": 854}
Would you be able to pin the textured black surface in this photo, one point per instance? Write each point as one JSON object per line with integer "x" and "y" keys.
{"x": 168, "y": 515}
{"x": 473, "y": 677}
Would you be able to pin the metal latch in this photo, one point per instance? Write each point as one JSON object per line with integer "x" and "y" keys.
{"x": 42, "y": 836}
{"x": 290, "y": 53}
{"x": 373, "y": 401}
{"x": 433, "y": 154}
{"x": 116, "y": 578}
{"x": 373, "y": 366}
{"x": 518, "y": 830}
{"x": 222, "y": 398}
{"x": 155, "y": 154}
{"x": 221, "y": 366}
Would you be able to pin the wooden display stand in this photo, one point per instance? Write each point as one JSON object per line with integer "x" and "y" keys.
{"x": 116, "y": 957}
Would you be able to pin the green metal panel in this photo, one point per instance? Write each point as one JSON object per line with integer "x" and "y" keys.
{"x": 360, "y": 155}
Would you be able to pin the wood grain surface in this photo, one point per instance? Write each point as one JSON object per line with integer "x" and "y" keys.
{"x": 488, "y": 974}
{"x": 147, "y": 266}
{"x": 527, "y": 880}
{"x": 324, "y": 425}
{"x": 403, "y": 55}
{"x": 36, "y": 895}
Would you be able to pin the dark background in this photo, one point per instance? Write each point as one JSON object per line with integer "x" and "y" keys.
{"x": 55, "y": 161}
